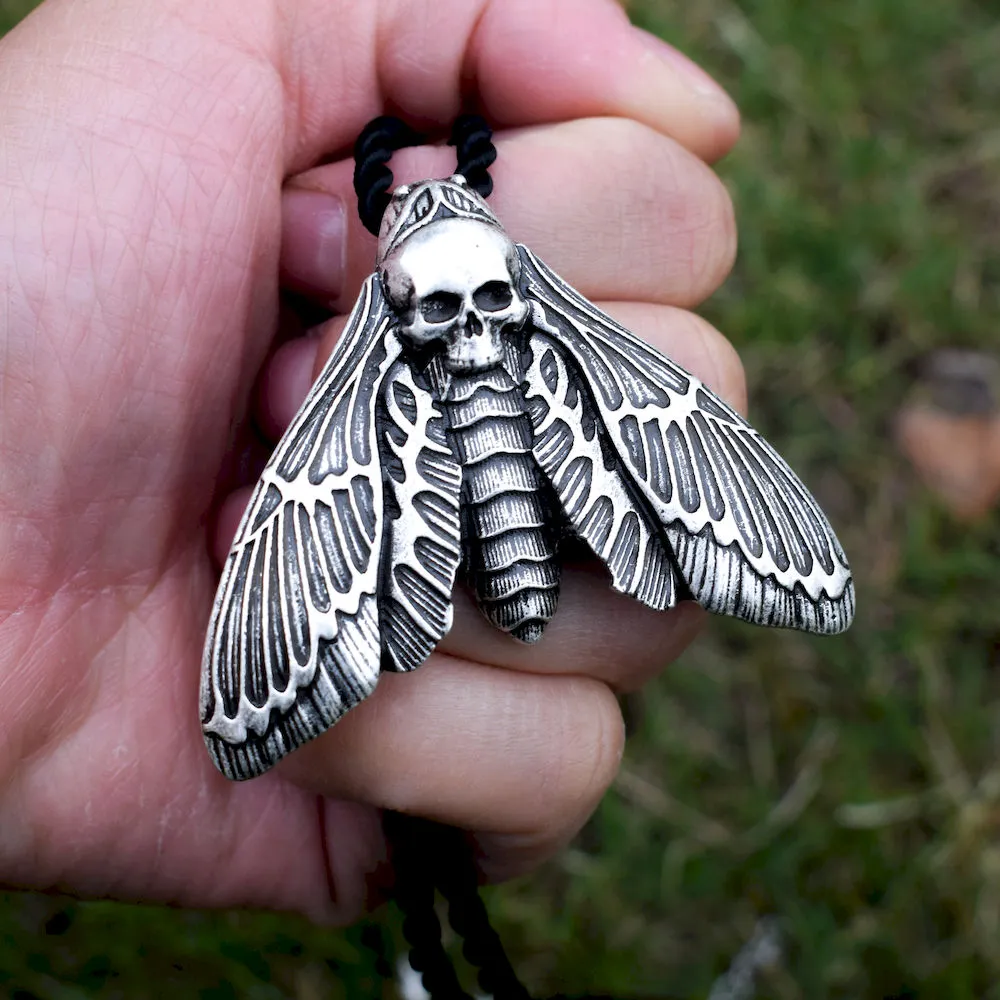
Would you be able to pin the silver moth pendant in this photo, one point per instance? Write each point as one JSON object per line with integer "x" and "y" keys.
{"x": 477, "y": 412}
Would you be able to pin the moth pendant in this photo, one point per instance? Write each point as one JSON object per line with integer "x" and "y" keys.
{"x": 475, "y": 414}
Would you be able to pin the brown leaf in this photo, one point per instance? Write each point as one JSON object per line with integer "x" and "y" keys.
{"x": 956, "y": 457}
{"x": 950, "y": 431}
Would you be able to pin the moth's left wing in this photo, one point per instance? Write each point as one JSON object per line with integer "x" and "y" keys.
{"x": 669, "y": 479}
{"x": 294, "y": 638}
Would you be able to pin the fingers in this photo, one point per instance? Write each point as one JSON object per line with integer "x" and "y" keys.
{"x": 313, "y": 242}
{"x": 285, "y": 382}
{"x": 527, "y": 61}
{"x": 521, "y": 758}
{"x": 645, "y": 220}
{"x": 532, "y": 60}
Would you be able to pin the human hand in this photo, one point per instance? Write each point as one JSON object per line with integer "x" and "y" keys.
{"x": 156, "y": 157}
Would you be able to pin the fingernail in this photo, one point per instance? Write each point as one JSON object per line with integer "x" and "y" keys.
{"x": 313, "y": 241}
{"x": 695, "y": 77}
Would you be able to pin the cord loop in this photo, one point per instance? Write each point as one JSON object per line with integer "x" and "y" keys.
{"x": 383, "y": 136}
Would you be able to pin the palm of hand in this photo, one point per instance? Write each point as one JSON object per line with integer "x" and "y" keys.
{"x": 131, "y": 341}
{"x": 141, "y": 226}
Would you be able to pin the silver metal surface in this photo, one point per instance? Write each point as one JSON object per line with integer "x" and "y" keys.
{"x": 477, "y": 412}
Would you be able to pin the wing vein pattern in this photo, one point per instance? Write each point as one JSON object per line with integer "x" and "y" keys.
{"x": 294, "y": 640}
{"x": 423, "y": 547}
{"x": 662, "y": 461}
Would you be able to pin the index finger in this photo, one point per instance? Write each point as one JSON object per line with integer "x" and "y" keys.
{"x": 525, "y": 62}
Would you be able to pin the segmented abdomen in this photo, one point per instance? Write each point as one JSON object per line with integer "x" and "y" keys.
{"x": 507, "y": 536}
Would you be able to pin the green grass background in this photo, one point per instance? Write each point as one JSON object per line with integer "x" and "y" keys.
{"x": 850, "y": 788}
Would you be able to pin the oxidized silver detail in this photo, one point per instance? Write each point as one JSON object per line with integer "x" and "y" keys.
{"x": 476, "y": 412}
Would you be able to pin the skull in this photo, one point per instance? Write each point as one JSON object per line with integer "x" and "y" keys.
{"x": 454, "y": 286}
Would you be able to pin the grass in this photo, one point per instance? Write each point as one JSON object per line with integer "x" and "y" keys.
{"x": 848, "y": 788}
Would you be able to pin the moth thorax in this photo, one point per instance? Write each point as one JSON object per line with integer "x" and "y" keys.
{"x": 454, "y": 286}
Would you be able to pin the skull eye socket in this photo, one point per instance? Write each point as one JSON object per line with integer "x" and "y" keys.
{"x": 440, "y": 307}
{"x": 493, "y": 296}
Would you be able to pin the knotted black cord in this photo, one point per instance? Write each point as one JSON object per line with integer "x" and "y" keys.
{"x": 475, "y": 152}
{"x": 418, "y": 852}
{"x": 379, "y": 139}
{"x": 469, "y": 919}
{"x": 426, "y": 855}
{"x": 383, "y": 136}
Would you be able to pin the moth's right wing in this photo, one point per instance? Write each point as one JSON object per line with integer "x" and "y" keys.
{"x": 666, "y": 481}
{"x": 295, "y": 637}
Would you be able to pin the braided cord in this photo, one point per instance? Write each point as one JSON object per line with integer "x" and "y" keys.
{"x": 414, "y": 845}
{"x": 475, "y": 152}
{"x": 383, "y": 136}
{"x": 379, "y": 139}
{"x": 469, "y": 919}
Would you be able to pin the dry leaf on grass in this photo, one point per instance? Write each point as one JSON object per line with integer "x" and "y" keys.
{"x": 950, "y": 430}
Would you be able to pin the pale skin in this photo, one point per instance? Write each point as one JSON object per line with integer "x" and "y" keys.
{"x": 157, "y": 187}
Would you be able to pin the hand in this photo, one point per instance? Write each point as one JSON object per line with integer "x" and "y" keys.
{"x": 156, "y": 156}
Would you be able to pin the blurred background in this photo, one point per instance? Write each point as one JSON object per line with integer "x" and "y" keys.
{"x": 821, "y": 818}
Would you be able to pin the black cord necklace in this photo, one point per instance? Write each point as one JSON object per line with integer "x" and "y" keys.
{"x": 428, "y": 856}
{"x": 383, "y": 136}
